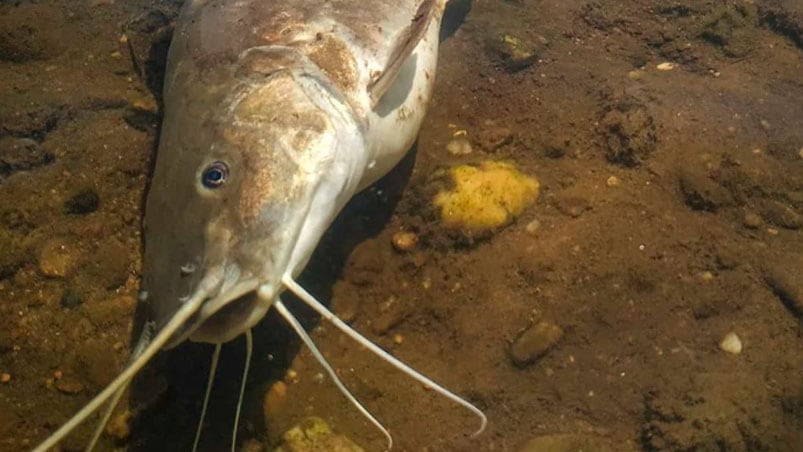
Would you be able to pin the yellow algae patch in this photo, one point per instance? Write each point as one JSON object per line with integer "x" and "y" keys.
{"x": 485, "y": 197}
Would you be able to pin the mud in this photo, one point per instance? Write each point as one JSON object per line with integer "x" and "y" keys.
{"x": 669, "y": 216}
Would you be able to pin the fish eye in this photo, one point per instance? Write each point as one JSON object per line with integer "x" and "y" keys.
{"x": 215, "y": 175}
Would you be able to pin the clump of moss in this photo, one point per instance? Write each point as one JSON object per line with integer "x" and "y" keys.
{"x": 485, "y": 197}
{"x": 313, "y": 434}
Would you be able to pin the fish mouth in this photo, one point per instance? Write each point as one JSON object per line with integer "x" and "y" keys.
{"x": 224, "y": 315}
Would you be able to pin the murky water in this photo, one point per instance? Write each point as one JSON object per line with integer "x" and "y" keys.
{"x": 668, "y": 145}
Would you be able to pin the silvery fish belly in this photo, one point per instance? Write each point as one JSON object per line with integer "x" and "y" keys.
{"x": 276, "y": 113}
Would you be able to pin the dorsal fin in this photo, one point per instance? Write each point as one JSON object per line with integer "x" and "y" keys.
{"x": 406, "y": 42}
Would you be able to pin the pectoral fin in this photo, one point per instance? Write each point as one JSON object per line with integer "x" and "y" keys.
{"x": 406, "y": 42}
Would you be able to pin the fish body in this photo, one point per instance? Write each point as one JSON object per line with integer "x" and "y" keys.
{"x": 275, "y": 114}
{"x": 280, "y": 93}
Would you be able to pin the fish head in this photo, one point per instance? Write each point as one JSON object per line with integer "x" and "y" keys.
{"x": 233, "y": 194}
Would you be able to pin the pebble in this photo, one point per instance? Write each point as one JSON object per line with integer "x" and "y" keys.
{"x": 800, "y": 153}
{"x": 404, "y": 241}
{"x": 731, "y": 344}
{"x": 119, "y": 427}
{"x": 69, "y": 385}
{"x": 57, "y": 258}
{"x": 534, "y": 342}
{"x": 665, "y": 66}
{"x": 635, "y": 74}
{"x": 398, "y": 339}
{"x": 752, "y": 220}
{"x": 5, "y": 377}
{"x": 533, "y": 227}
{"x": 706, "y": 277}
{"x": 514, "y": 53}
{"x": 613, "y": 181}
{"x": 459, "y": 146}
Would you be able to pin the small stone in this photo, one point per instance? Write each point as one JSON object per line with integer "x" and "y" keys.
{"x": 533, "y": 227}
{"x": 800, "y": 153}
{"x": 513, "y": 52}
{"x": 404, "y": 241}
{"x": 613, "y": 181}
{"x": 635, "y": 75}
{"x": 459, "y": 146}
{"x": 706, "y": 277}
{"x": 57, "y": 258}
{"x": 534, "y": 342}
{"x": 665, "y": 66}
{"x": 119, "y": 427}
{"x": 5, "y": 377}
{"x": 398, "y": 339}
{"x": 765, "y": 124}
{"x": 84, "y": 202}
{"x": 752, "y": 220}
{"x": 69, "y": 385}
{"x": 291, "y": 376}
{"x": 731, "y": 344}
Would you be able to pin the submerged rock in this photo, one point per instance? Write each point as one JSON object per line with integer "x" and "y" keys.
{"x": 513, "y": 52}
{"x": 314, "y": 434}
{"x": 534, "y": 342}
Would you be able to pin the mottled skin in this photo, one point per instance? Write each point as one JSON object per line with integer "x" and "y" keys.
{"x": 278, "y": 90}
